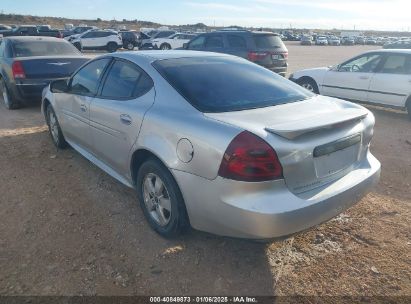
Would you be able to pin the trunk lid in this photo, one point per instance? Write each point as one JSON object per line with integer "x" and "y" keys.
{"x": 51, "y": 67}
{"x": 317, "y": 140}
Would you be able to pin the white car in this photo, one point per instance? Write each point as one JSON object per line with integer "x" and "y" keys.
{"x": 173, "y": 42}
{"x": 98, "y": 40}
{"x": 381, "y": 77}
{"x": 321, "y": 40}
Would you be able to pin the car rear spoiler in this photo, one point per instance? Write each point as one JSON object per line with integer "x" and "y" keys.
{"x": 294, "y": 129}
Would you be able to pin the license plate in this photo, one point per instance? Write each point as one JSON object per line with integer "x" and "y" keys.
{"x": 335, "y": 157}
{"x": 276, "y": 57}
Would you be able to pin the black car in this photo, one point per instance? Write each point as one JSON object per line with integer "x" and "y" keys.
{"x": 264, "y": 48}
{"x": 130, "y": 39}
{"x": 28, "y": 64}
{"x": 31, "y": 30}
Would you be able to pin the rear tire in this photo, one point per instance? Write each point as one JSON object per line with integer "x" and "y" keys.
{"x": 8, "y": 100}
{"x": 130, "y": 46}
{"x": 112, "y": 47}
{"x": 54, "y": 129}
{"x": 309, "y": 84}
{"x": 409, "y": 108}
{"x": 161, "y": 199}
{"x": 165, "y": 47}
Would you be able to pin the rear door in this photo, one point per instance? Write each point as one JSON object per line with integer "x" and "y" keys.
{"x": 117, "y": 114}
{"x": 351, "y": 80}
{"x": 391, "y": 84}
{"x": 75, "y": 104}
{"x": 89, "y": 40}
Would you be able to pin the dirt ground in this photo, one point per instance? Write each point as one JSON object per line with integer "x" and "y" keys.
{"x": 67, "y": 228}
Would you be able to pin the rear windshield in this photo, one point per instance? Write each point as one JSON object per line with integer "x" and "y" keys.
{"x": 224, "y": 84}
{"x": 267, "y": 41}
{"x": 43, "y": 48}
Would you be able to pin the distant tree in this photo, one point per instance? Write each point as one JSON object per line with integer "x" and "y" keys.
{"x": 98, "y": 20}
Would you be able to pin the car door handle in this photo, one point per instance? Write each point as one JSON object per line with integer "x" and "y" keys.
{"x": 126, "y": 119}
{"x": 83, "y": 108}
{"x": 364, "y": 77}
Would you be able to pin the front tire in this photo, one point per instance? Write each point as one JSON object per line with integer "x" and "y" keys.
{"x": 54, "y": 129}
{"x": 161, "y": 199}
{"x": 309, "y": 84}
{"x": 165, "y": 47}
{"x": 8, "y": 100}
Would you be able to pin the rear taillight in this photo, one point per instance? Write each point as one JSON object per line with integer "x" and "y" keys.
{"x": 256, "y": 56}
{"x": 17, "y": 69}
{"x": 249, "y": 158}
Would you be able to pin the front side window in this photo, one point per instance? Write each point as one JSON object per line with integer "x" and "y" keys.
{"x": 125, "y": 80}
{"x": 363, "y": 64}
{"x": 197, "y": 43}
{"x": 397, "y": 64}
{"x": 86, "y": 81}
{"x": 224, "y": 84}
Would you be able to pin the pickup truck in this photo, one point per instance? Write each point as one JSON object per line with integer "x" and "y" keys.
{"x": 31, "y": 30}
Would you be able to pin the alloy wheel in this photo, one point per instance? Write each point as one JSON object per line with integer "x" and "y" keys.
{"x": 157, "y": 199}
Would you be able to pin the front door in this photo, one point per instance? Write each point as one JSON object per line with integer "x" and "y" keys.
{"x": 117, "y": 113}
{"x": 351, "y": 80}
{"x": 75, "y": 104}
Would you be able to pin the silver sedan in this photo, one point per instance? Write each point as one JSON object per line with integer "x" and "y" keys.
{"x": 215, "y": 142}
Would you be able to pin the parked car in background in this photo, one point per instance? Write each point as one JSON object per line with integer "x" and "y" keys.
{"x": 321, "y": 40}
{"x": 334, "y": 40}
{"x": 147, "y": 44}
{"x": 98, "y": 40}
{"x": 173, "y": 42}
{"x": 378, "y": 77}
{"x": 306, "y": 40}
{"x": 348, "y": 41}
{"x": 130, "y": 39}
{"x": 264, "y": 48}
{"x": 200, "y": 151}
{"x": 5, "y": 28}
{"x": 401, "y": 44}
{"x": 77, "y": 30}
{"x": 31, "y": 30}
{"x": 370, "y": 41}
{"x": 44, "y": 27}
{"x": 359, "y": 40}
{"x": 28, "y": 64}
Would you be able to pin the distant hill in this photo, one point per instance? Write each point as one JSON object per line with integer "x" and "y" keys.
{"x": 57, "y": 22}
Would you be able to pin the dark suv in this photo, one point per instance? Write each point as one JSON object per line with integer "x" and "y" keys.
{"x": 264, "y": 48}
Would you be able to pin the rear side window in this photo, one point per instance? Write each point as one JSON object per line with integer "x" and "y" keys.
{"x": 268, "y": 41}
{"x": 397, "y": 64}
{"x": 126, "y": 80}
{"x": 164, "y": 34}
{"x": 197, "y": 43}
{"x": 224, "y": 84}
{"x": 235, "y": 41}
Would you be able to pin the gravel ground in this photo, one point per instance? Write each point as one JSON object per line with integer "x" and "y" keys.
{"x": 67, "y": 228}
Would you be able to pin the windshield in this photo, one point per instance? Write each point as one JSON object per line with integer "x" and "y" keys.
{"x": 43, "y": 48}
{"x": 224, "y": 84}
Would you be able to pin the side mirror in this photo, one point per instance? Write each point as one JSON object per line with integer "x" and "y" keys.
{"x": 185, "y": 46}
{"x": 59, "y": 86}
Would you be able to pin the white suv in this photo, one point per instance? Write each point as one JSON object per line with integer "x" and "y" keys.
{"x": 98, "y": 40}
{"x": 173, "y": 42}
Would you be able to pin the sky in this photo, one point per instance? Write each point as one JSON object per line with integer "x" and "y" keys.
{"x": 321, "y": 14}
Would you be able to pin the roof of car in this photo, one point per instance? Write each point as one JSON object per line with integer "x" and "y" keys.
{"x": 33, "y": 38}
{"x": 172, "y": 54}
{"x": 400, "y": 51}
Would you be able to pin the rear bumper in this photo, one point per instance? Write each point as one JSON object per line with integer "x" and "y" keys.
{"x": 29, "y": 90}
{"x": 269, "y": 210}
{"x": 279, "y": 70}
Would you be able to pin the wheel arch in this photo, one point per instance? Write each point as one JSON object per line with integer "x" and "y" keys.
{"x": 310, "y": 78}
